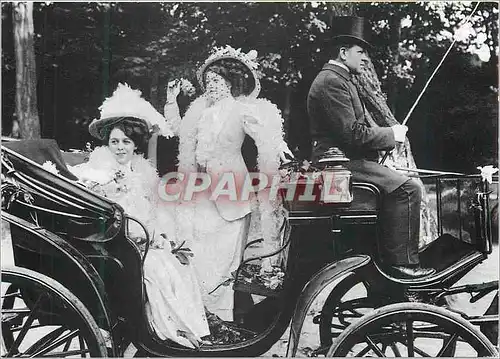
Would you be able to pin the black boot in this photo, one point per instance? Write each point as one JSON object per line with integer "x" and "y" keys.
{"x": 410, "y": 272}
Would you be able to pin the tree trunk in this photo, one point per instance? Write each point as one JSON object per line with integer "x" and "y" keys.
{"x": 26, "y": 103}
{"x": 376, "y": 103}
{"x": 375, "y": 100}
{"x": 395, "y": 36}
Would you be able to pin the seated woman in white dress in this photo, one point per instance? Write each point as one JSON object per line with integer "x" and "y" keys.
{"x": 118, "y": 171}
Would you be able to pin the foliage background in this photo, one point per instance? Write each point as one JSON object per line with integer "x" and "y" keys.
{"x": 84, "y": 49}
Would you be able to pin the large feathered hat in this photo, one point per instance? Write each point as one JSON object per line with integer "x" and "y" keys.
{"x": 126, "y": 102}
{"x": 240, "y": 64}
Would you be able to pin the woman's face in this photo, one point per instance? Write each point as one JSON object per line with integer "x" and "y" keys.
{"x": 216, "y": 86}
{"x": 121, "y": 146}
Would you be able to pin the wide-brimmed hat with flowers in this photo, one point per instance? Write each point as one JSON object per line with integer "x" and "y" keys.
{"x": 239, "y": 64}
{"x": 127, "y": 103}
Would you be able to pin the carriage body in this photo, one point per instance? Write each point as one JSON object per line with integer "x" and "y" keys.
{"x": 79, "y": 239}
{"x": 462, "y": 224}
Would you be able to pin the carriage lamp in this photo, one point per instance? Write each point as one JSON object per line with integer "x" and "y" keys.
{"x": 326, "y": 182}
{"x": 336, "y": 178}
{"x": 337, "y": 185}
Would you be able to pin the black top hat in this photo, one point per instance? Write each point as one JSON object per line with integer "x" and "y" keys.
{"x": 351, "y": 29}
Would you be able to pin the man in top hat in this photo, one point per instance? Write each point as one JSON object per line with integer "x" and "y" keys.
{"x": 338, "y": 118}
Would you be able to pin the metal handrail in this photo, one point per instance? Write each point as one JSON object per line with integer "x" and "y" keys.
{"x": 147, "y": 245}
{"x": 70, "y": 215}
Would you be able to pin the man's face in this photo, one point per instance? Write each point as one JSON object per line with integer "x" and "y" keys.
{"x": 355, "y": 58}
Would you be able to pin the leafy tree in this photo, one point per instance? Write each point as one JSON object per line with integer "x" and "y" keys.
{"x": 84, "y": 49}
{"x": 26, "y": 105}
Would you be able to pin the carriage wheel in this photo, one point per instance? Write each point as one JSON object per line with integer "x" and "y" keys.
{"x": 346, "y": 303}
{"x": 409, "y": 330}
{"x": 40, "y": 317}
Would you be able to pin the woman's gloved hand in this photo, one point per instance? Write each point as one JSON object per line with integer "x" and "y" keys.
{"x": 173, "y": 90}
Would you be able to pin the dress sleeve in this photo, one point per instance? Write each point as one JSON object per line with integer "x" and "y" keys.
{"x": 172, "y": 117}
{"x": 337, "y": 104}
{"x": 263, "y": 122}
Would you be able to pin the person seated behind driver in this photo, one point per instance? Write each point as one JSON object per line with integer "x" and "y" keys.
{"x": 338, "y": 118}
{"x": 119, "y": 171}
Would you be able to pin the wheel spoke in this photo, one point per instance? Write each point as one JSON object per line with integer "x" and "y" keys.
{"x": 24, "y": 311}
{"x": 16, "y": 329}
{"x": 82, "y": 345}
{"x": 449, "y": 346}
{"x": 410, "y": 338}
{"x": 16, "y": 294}
{"x": 58, "y": 342}
{"x": 395, "y": 349}
{"x": 416, "y": 349}
{"x": 67, "y": 345}
{"x": 45, "y": 340}
{"x": 364, "y": 351}
{"x": 423, "y": 328}
{"x": 26, "y": 326}
{"x": 13, "y": 318}
{"x": 343, "y": 305}
{"x": 373, "y": 346}
{"x": 67, "y": 353}
{"x": 64, "y": 326}
{"x": 421, "y": 352}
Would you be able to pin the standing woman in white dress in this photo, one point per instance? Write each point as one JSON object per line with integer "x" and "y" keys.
{"x": 210, "y": 138}
{"x": 119, "y": 171}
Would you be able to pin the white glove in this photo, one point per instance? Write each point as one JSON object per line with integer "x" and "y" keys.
{"x": 173, "y": 90}
{"x": 399, "y": 132}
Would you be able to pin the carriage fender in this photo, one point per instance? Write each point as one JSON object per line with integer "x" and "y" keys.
{"x": 314, "y": 287}
{"x": 76, "y": 257}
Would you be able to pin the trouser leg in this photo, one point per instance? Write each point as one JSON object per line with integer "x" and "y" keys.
{"x": 400, "y": 225}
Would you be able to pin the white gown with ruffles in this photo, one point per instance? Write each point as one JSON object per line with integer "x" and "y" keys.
{"x": 174, "y": 300}
{"x": 210, "y": 139}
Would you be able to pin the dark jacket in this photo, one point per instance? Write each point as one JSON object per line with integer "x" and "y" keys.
{"x": 338, "y": 118}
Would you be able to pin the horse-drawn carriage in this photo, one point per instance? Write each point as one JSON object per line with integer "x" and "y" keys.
{"x": 77, "y": 285}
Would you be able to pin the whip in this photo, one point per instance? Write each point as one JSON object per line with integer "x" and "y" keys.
{"x": 432, "y": 76}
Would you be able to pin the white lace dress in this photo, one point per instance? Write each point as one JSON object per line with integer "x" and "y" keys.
{"x": 210, "y": 140}
{"x": 174, "y": 305}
